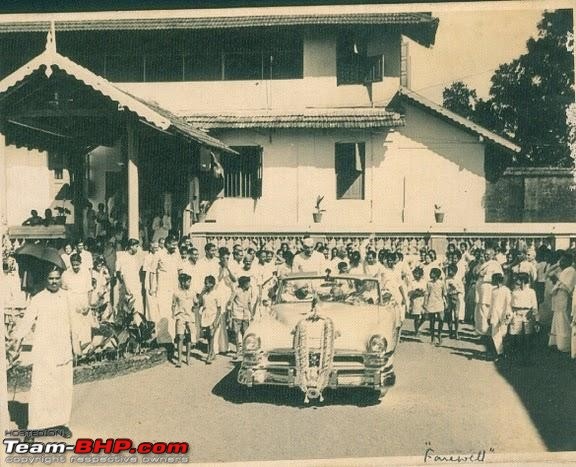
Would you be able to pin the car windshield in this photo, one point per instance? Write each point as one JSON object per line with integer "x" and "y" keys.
{"x": 343, "y": 290}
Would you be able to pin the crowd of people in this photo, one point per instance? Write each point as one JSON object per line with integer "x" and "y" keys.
{"x": 507, "y": 294}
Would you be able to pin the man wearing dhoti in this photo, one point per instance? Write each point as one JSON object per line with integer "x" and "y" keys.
{"x": 50, "y": 402}
{"x": 169, "y": 264}
{"x": 484, "y": 291}
{"x": 77, "y": 281}
{"x": 129, "y": 265}
{"x": 500, "y": 312}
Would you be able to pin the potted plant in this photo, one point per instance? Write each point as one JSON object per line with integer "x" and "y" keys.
{"x": 62, "y": 212}
{"x": 319, "y": 211}
{"x": 203, "y": 212}
{"x": 438, "y": 213}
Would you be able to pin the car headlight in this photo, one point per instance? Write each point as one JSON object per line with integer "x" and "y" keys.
{"x": 377, "y": 344}
{"x": 251, "y": 343}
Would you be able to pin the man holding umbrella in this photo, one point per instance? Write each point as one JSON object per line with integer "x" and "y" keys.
{"x": 50, "y": 403}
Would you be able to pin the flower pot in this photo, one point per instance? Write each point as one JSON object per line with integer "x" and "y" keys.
{"x": 202, "y": 217}
{"x": 60, "y": 220}
{"x": 317, "y": 217}
{"x": 439, "y": 217}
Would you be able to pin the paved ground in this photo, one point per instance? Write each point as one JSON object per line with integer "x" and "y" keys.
{"x": 445, "y": 397}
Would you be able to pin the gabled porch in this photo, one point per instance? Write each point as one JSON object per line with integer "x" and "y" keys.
{"x": 52, "y": 104}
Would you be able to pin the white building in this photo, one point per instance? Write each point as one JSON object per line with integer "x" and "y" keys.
{"x": 314, "y": 101}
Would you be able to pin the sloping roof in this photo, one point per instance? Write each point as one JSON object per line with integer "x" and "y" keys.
{"x": 420, "y": 27}
{"x": 308, "y": 118}
{"x": 411, "y": 96}
{"x": 49, "y": 60}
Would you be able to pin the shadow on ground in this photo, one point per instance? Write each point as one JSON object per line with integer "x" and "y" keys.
{"x": 231, "y": 391}
{"x": 547, "y": 388}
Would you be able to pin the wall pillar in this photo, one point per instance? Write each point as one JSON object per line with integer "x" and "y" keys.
{"x": 133, "y": 179}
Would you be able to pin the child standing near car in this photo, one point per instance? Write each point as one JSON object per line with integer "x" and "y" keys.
{"x": 182, "y": 311}
{"x": 435, "y": 303}
{"x": 210, "y": 312}
{"x": 242, "y": 306}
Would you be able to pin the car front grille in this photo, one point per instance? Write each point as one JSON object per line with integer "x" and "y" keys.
{"x": 290, "y": 359}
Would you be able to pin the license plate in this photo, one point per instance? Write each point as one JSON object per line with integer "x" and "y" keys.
{"x": 352, "y": 380}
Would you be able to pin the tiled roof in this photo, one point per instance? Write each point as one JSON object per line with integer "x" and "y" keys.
{"x": 309, "y": 118}
{"x": 50, "y": 60}
{"x": 418, "y": 26}
{"x": 442, "y": 112}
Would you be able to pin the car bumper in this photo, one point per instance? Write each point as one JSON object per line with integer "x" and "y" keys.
{"x": 375, "y": 378}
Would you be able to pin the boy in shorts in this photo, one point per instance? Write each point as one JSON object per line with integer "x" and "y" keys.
{"x": 242, "y": 306}
{"x": 183, "y": 301}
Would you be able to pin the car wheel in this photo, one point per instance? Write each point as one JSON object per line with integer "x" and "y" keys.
{"x": 382, "y": 392}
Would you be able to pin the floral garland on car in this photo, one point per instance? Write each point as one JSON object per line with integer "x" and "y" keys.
{"x": 313, "y": 379}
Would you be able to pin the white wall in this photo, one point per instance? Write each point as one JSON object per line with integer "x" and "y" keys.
{"x": 29, "y": 184}
{"x": 103, "y": 159}
{"x": 436, "y": 162}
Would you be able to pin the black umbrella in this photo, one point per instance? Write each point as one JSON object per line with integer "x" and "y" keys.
{"x": 43, "y": 253}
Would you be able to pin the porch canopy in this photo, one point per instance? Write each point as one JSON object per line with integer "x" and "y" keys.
{"x": 55, "y": 105}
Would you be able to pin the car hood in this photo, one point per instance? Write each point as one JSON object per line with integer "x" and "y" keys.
{"x": 354, "y": 325}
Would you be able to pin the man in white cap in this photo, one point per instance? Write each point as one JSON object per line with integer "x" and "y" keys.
{"x": 309, "y": 260}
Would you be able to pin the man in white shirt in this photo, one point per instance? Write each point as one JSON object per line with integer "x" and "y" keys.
{"x": 263, "y": 269}
{"x": 209, "y": 265}
{"x": 167, "y": 273}
{"x": 237, "y": 263}
{"x": 150, "y": 268}
{"x": 309, "y": 260}
{"x": 128, "y": 266}
{"x": 341, "y": 256}
{"x": 87, "y": 260}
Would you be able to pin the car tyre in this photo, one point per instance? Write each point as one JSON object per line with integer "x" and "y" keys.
{"x": 382, "y": 392}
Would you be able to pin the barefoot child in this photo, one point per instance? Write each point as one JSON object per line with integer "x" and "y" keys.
{"x": 416, "y": 294}
{"x": 435, "y": 302}
{"x": 242, "y": 306}
{"x": 210, "y": 312}
{"x": 455, "y": 294}
{"x": 182, "y": 311}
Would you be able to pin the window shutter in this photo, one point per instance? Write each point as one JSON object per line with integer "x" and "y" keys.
{"x": 258, "y": 174}
{"x": 375, "y": 69}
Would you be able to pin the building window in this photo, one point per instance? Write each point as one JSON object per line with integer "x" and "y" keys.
{"x": 243, "y": 172}
{"x": 58, "y": 174}
{"x": 350, "y": 165}
{"x": 354, "y": 66}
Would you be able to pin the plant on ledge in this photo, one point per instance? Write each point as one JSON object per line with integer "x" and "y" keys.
{"x": 319, "y": 211}
{"x": 62, "y": 212}
{"x": 438, "y": 213}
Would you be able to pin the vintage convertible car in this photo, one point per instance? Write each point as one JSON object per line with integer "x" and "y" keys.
{"x": 323, "y": 331}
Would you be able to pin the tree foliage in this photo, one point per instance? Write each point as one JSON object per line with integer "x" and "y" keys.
{"x": 529, "y": 95}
